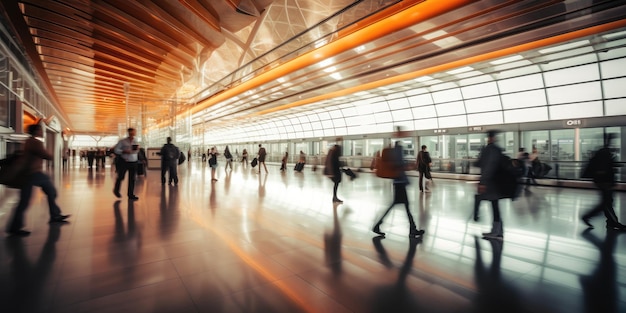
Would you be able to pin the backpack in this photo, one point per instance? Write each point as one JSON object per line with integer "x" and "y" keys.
{"x": 386, "y": 166}
{"x": 508, "y": 175}
{"x": 14, "y": 170}
{"x": 599, "y": 167}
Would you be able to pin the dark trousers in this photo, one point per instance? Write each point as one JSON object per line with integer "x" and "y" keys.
{"x": 495, "y": 206}
{"x": 605, "y": 205}
{"x": 421, "y": 181}
{"x": 37, "y": 179}
{"x": 131, "y": 168}
{"x": 172, "y": 168}
{"x": 400, "y": 197}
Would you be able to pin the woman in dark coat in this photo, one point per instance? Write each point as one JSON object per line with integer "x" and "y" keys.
{"x": 488, "y": 188}
{"x": 333, "y": 169}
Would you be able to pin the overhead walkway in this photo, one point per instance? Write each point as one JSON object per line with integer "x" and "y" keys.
{"x": 276, "y": 243}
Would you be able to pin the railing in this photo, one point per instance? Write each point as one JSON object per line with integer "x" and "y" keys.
{"x": 561, "y": 170}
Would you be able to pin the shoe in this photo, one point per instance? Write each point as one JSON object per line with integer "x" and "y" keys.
{"x": 496, "y": 232}
{"x": 587, "y": 220}
{"x": 427, "y": 190}
{"x": 133, "y": 197}
{"x": 117, "y": 193}
{"x": 615, "y": 226}
{"x": 213, "y": 179}
{"x": 19, "y": 233}
{"x": 376, "y": 230}
{"x": 416, "y": 232}
{"x": 337, "y": 200}
{"x": 59, "y": 219}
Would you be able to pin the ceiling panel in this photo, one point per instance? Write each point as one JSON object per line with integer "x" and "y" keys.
{"x": 100, "y": 57}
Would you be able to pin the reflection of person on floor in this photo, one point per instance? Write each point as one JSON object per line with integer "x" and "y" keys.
{"x": 332, "y": 243}
{"x": 24, "y": 292}
{"x": 600, "y": 288}
{"x": 494, "y": 294}
{"x": 396, "y": 298}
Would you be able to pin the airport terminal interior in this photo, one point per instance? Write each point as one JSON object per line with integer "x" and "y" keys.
{"x": 298, "y": 77}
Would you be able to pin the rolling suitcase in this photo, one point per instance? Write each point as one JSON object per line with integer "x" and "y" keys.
{"x": 254, "y": 162}
{"x": 299, "y": 167}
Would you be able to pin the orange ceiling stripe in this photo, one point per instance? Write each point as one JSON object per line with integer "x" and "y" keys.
{"x": 403, "y": 19}
{"x": 455, "y": 64}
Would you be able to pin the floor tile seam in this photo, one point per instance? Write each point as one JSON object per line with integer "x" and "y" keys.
{"x": 121, "y": 268}
{"x": 232, "y": 295}
{"x": 119, "y": 292}
{"x": 187, "y": 291}
{"x": 334, "y": 298}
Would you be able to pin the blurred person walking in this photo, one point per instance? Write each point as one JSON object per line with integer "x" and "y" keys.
{"x": 423, "y": 166}
{"x": 261, "y": 158}
{"x": 283, "y": 162}
{"x": 332, "y": 169}
{"x": 488, "y": 186}
{"x": 601, "y": 168}
{"x": 34, "y": 154}
{"x": 229, "y": 159}
{"x": 301, "y": 161}
{"x": 169, "y": 162}
{"x": 399, "y": 191}
{"x": 128, "y": 149}
{"x": 244, "y": 157}
{"x": 213, "y": 162}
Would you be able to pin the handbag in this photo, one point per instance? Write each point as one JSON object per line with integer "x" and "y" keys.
{"x": 181, "y": 158}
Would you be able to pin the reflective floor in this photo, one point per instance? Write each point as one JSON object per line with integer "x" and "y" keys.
{"x": 276, "y": 243}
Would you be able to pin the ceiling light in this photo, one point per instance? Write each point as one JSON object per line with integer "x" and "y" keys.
{"x": 423, "y": 79}
{"x": 325, "y": 63}
{"x": 336, "y": 76}
{"x": 330, "y": 69}
{"x": 359, "y": 49}
{"x": 567, "y": 46}
{"x": 507, "y": 60}
{"x": 617, "y": 35}
{"x": 459, "y": 70}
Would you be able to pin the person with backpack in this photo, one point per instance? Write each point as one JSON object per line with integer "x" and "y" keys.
{"x": 400, "y": 180}
{"x": 601, "y": 168}
{"x": 488, "y": 186}
{"x": 169, "y": 162}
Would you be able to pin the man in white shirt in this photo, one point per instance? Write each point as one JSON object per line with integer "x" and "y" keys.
{"x": 128, "y": 149}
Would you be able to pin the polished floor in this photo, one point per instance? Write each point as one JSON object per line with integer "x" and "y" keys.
{"x": 276, "y": 243}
